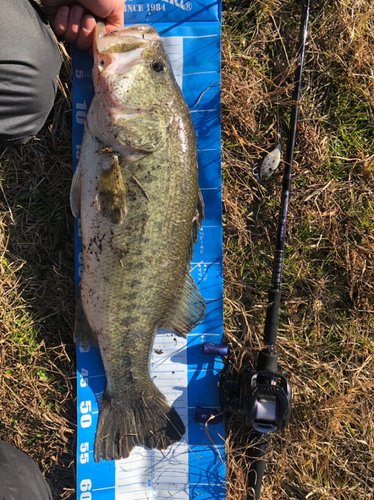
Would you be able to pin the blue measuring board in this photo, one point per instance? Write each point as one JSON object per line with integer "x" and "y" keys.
{"x": 194, "y": 468}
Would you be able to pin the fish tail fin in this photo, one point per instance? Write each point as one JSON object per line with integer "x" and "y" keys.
{"x": 149, "y": 421}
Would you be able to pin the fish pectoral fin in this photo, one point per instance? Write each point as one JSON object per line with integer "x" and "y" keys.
{"x": 111, "y": 190}
{"x": 187, "y": 311}
{"x": 83, "y": 333}
{"x": 75, "y": 193}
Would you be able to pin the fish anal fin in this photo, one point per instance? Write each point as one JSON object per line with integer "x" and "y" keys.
{"x": 111, "y": 190}
{"x": 75, "y": 193}
{"x": 83, "y": 332}
{"x": 187, "y": 311}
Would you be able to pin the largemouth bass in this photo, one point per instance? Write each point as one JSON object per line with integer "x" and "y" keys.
{"x": 136, "y": 188}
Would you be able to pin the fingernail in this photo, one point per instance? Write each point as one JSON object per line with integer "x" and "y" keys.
{"x": 88, "y": 24}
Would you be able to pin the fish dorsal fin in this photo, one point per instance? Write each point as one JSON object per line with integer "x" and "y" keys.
{"x": 75, "y": 193}
{"x": 188, "y": 309}
{"x": 196, "y": 223}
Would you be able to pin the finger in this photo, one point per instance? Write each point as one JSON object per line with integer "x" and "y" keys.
{"x": 110, "y": 10}
{"x": 85, "y": 37}
{"x": 74, "y": 24}
{"x": 60, "y": 21}
{"x": 52, "y": 6}
{"x": 112, "y": 26}
{"x": 116, "y": 18}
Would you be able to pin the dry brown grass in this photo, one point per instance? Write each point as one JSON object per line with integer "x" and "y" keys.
{"x": 326, "y": 334}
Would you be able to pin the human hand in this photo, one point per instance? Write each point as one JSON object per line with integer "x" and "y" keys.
{"x": 74, "y": 20}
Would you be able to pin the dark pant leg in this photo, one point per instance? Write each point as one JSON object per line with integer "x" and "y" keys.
{"x": 29, "y": 66}
{"x": 20, "y": 478}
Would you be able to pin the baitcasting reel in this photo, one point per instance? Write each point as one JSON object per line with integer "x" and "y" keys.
{"x": 263, "y": 398}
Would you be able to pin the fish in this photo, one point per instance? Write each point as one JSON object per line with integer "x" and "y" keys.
{"x": 137, "y": 192}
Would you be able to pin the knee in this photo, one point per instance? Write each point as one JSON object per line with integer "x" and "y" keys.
{"x": 27, "y": 93}
{"x": 30, "y": 65}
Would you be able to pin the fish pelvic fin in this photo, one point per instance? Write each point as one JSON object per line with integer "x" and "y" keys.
{"x": 149, "y": 421}
{"x": 83, "y": 332}
{"x": 188, "y": 309}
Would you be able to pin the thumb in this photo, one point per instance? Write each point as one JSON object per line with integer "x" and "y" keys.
{"x": 115, "y": 20}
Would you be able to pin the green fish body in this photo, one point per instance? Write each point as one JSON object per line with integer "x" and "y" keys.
{"x": 136, "y": 188}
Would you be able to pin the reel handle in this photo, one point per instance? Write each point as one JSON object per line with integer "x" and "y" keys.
{"x": 215, "y": 349}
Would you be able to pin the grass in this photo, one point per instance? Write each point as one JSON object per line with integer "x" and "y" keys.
{"x": 37, "y": 408}
{"x": 326, "y": 324}
{"x": 326, "y": 338}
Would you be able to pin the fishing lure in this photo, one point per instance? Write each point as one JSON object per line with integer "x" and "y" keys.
{"x": 269, "y": 165}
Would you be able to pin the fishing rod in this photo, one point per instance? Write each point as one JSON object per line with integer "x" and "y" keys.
{"x": 263, "y": 396}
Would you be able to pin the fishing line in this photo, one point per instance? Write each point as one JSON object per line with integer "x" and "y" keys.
{"x": 203, "y": 92}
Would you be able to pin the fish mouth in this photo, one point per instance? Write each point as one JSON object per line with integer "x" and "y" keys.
{"x": 122, "y": 47}
{"x": 124, "y": 40}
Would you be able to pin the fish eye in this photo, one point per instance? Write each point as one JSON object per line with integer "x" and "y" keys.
{"x": 158, "y": 66}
